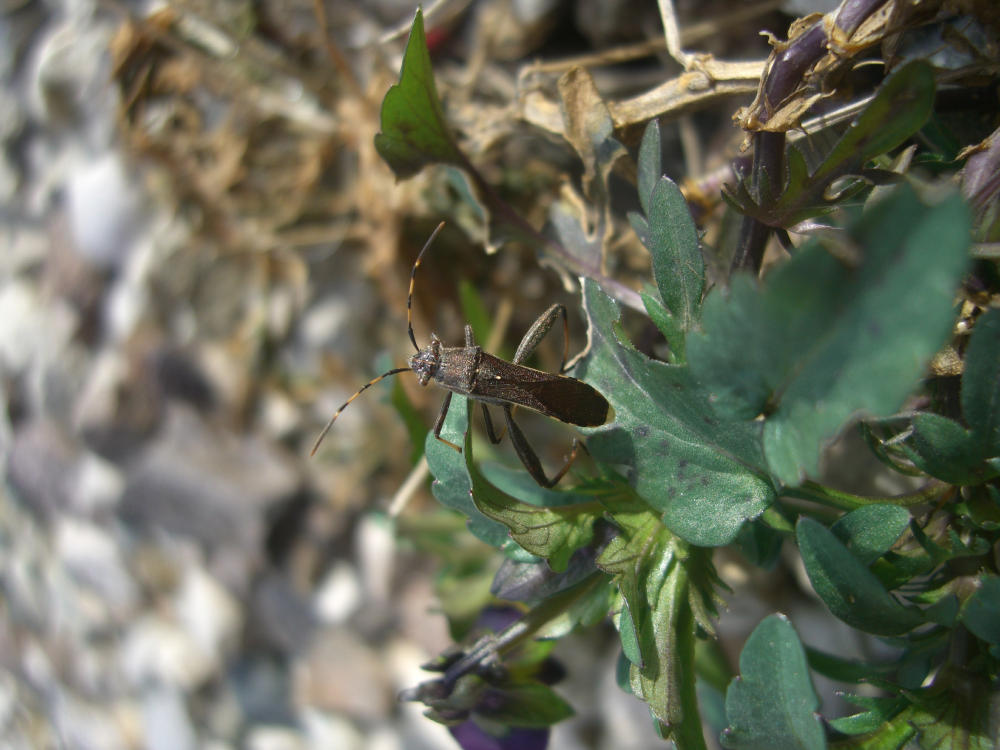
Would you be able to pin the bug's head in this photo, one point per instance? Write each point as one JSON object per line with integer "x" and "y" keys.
{"x": 426, "y": 361}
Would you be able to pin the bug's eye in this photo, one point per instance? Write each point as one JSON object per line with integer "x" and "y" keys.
{"x": 424, "y": 364}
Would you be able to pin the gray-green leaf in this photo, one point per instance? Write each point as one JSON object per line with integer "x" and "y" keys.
{"x": 824, "y": 340}
{"x": 701, "y": 470}
{"x": 851, "y": 591}
{"x": 772, "y": 703}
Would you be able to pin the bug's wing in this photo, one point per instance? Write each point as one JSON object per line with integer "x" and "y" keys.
{"x": 557, "y": 396}
{"x": 566, "y": 399}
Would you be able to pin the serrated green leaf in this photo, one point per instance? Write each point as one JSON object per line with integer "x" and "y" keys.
{"x": 700, "y": 470}
{"x": 870, "y": 531}
{"x": 553, "y": 533}
{"x": 414, "y": 133}
{"x": 821, "y": 342}
{"x": 851, "y": 591}
{"x": 959, "y": 712}
{"x": 625, "y": 558}
{"x": 650, "y": 164}
{"x": 651, "y": 568}
{"x": 981, "y": 383}
{"x": 772, "y": 703}
{"x": 678, "y": 266}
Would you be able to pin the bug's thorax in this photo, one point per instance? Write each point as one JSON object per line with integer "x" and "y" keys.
{"x": 426, "y": 362}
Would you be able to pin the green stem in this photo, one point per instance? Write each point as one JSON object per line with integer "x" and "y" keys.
{"x": 687, "y": 732}
{"x": 849, "y": 501}
{"x": 523, "y": 629}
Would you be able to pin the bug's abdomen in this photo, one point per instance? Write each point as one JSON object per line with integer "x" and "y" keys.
{"x": 557, "y": 396}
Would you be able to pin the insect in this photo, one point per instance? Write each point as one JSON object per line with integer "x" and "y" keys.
{"x": 471, "y": 372}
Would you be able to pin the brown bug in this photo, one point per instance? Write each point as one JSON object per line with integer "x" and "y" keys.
{"x": 471, "y": 372}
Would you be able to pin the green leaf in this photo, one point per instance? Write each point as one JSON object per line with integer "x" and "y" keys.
{"x": 901, "y": 106}
{"x": 879, "y": 710}
{"x": 823, "y": 341}
{"x": 846, "y": 670}
{"x": 553, "y": 533}
{"x": 700, "y": 470}
{"x": 760, "y": 544}
{"x": 870, "y": 531}
{"x": 650, "y": 164}
{"x": 981, "y": 383}
{"x": 851, "y": 591}
{"x": 527, "y": 705}
{"x": 668, "y": 325}
{"x": 678, "y": 266}
{"x": 656, "y": 574}
{"x": 474, "y": 311}
{"x": 957, "y": 713}
{"x": 944, "y": 449}
{"x": 414, "y": 133}
{"x": 891, "y": 735}
{"x": 452, "y": 485}
{"x": 772, "y": 703}
{"x": 981, "y": 611}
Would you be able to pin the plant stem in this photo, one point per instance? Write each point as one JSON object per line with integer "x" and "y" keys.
{"x": 523, "y": 629}
{"x": 849, "y": 501}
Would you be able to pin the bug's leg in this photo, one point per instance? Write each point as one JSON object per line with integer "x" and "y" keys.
{"x": 491, "y": 432}
{"x": 528, "y": 456}
{"x": 538, "y": 331}
{"x": 528, "y": 344}
{"x": 439, "y": 423}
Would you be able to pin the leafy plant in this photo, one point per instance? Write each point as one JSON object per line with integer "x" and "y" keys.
{"x": 720, "y": 443}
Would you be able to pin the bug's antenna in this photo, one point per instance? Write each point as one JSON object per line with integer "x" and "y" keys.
{"x": 413, "y": 276}
{"x": 360, "y": 390}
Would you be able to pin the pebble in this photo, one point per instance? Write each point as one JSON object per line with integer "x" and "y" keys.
{"x": 207, "y": 484}
{"x": 208, "y": 613}
{"x": 156, "y": 651}
{"x": 342, "y": 674}
{"x": 325, "y": 730}
{"x": 105, "y": 209}
{"x": 166, "y": 720}
{"x": 275, "y": 738}
{"x": 92, "y": 557}
{"x": 339, "y": 595}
